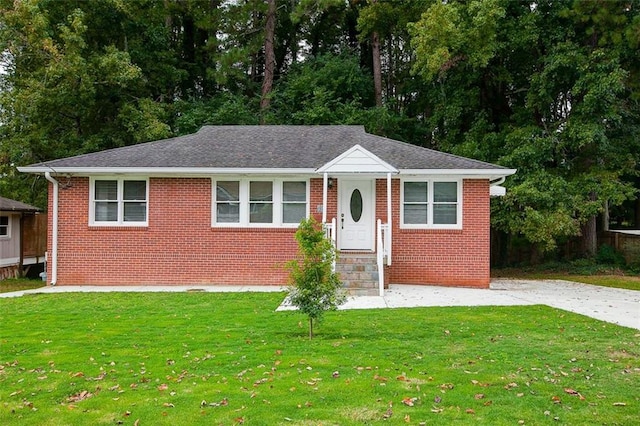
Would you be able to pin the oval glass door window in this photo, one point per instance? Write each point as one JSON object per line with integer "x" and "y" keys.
{"x": 356, "y": 205}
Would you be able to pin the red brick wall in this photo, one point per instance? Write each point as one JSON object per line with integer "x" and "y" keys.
{"x": 443, "y": 257}
{"x": 180, "y": 247}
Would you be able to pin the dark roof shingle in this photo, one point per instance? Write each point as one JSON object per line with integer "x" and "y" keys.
{"x": 268, "y": 147}
{"x": 9, "y": 205}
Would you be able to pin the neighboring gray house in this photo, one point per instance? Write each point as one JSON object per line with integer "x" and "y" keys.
{"x": 15, "y": 252}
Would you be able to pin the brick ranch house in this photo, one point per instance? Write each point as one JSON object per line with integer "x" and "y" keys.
{"x": 221, "y": 206}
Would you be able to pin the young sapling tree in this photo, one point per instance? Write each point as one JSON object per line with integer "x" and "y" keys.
{"x": 315, "y": 288}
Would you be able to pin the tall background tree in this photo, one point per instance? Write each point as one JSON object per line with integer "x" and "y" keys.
{"x": 547, "y": 87}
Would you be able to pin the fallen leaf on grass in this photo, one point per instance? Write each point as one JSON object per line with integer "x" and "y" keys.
{"x": 479, "y": 396}
{"x": 470, "y": 411}
{"x": 168, "y": 404}
{"x": 222, "y": 403}
{"x": 619, "y": 404}
{"x": 409, "y": 401}
{"x": 510, "y": 386}
{"x": 388, "y": 414}
{"x": 163, "y": 387}
{"x": 574, "y": 392}
{"x": 80, "y": 396}
{"x": 260, "y": 381}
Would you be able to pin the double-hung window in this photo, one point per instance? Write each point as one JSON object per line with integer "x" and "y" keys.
{"x": 5, "y": 222}
{"x": 431, "y": 204}
{"x": 119, "y": 202}
{"x": 260, "y": 202}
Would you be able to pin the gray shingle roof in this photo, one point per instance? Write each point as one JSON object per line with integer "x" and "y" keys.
{"x": 269, "y": 147}
{"x": 9, "y": 205}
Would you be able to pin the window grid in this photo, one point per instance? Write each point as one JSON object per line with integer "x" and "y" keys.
{"x": 119, "y": 202}
{"x": 431, "y": 204}
{"x": 263, "y": 202}
{"x": 4, "y": 226}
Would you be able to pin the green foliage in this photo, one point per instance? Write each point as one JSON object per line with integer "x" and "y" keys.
{"x": 328, "y": 89}
{"x": 191, "y": 115}
{"x": 549, "y": 88}
{"x": 453, "y": 32}
{"x": 544, "y": 88}
{"x": 315, "y": 288}
{"x": 609, "y": 256}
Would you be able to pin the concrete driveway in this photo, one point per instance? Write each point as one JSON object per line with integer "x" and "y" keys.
{"x": 613, "y": 305}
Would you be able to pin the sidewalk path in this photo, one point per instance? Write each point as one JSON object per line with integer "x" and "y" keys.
{"x": 613, "y": 305}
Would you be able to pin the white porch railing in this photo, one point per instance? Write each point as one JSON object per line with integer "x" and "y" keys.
{"x": 330, "y": 234}
{"x": 383, "y": 251}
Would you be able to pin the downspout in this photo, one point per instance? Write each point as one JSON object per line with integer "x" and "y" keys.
{"x": 54, "y": 230}
{"x": 498, "y": 181}
{"x": 389, "y": 219}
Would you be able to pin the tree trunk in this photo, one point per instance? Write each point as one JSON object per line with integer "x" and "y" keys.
{"x": 377, "y": 68}
{"x": 590, "y": 233}
{"x": 605, "y": 216}
{"x": 590, "y": 237}
{"x": 269, "y": 59}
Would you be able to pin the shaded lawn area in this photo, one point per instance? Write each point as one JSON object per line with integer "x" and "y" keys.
{"x": 228, "y": 358}
{"x": 17, "y": 284}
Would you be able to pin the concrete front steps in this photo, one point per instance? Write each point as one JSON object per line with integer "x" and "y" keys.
{"x": 358, "y": 273}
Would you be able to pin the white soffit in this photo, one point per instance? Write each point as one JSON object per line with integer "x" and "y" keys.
{"x": 357, "y": 160}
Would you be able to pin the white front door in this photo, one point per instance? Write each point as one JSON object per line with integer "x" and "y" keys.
{"x": 356, "y": 217}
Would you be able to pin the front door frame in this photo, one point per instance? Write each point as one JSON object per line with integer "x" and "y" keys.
{"x": 346, "y": 185}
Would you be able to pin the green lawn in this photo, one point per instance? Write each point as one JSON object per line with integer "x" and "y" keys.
{"x": 228, "y": 358}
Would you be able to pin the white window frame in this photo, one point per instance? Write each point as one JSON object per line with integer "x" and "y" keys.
{"x": 120, "y": 200}
{"x": 245, "y": 202}
{"x": 430, "y": 204}
{"x": 8, "y": 226}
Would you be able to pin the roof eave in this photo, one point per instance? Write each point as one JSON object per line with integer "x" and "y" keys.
{"x": 463, "y": 173}
{"x": 164, "y": 171}
{"x": 208, "y": 171}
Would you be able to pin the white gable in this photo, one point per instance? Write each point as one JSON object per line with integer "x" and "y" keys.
{"x": 357, "y": 160}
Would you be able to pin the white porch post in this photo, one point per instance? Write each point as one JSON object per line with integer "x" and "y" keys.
{"x": 325, "y": 183}
{"x": 389, "y": 219}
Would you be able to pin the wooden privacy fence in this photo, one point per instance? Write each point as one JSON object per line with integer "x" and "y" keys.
{"x": 34, "y": 243}
{"x": 625, "y": 242}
